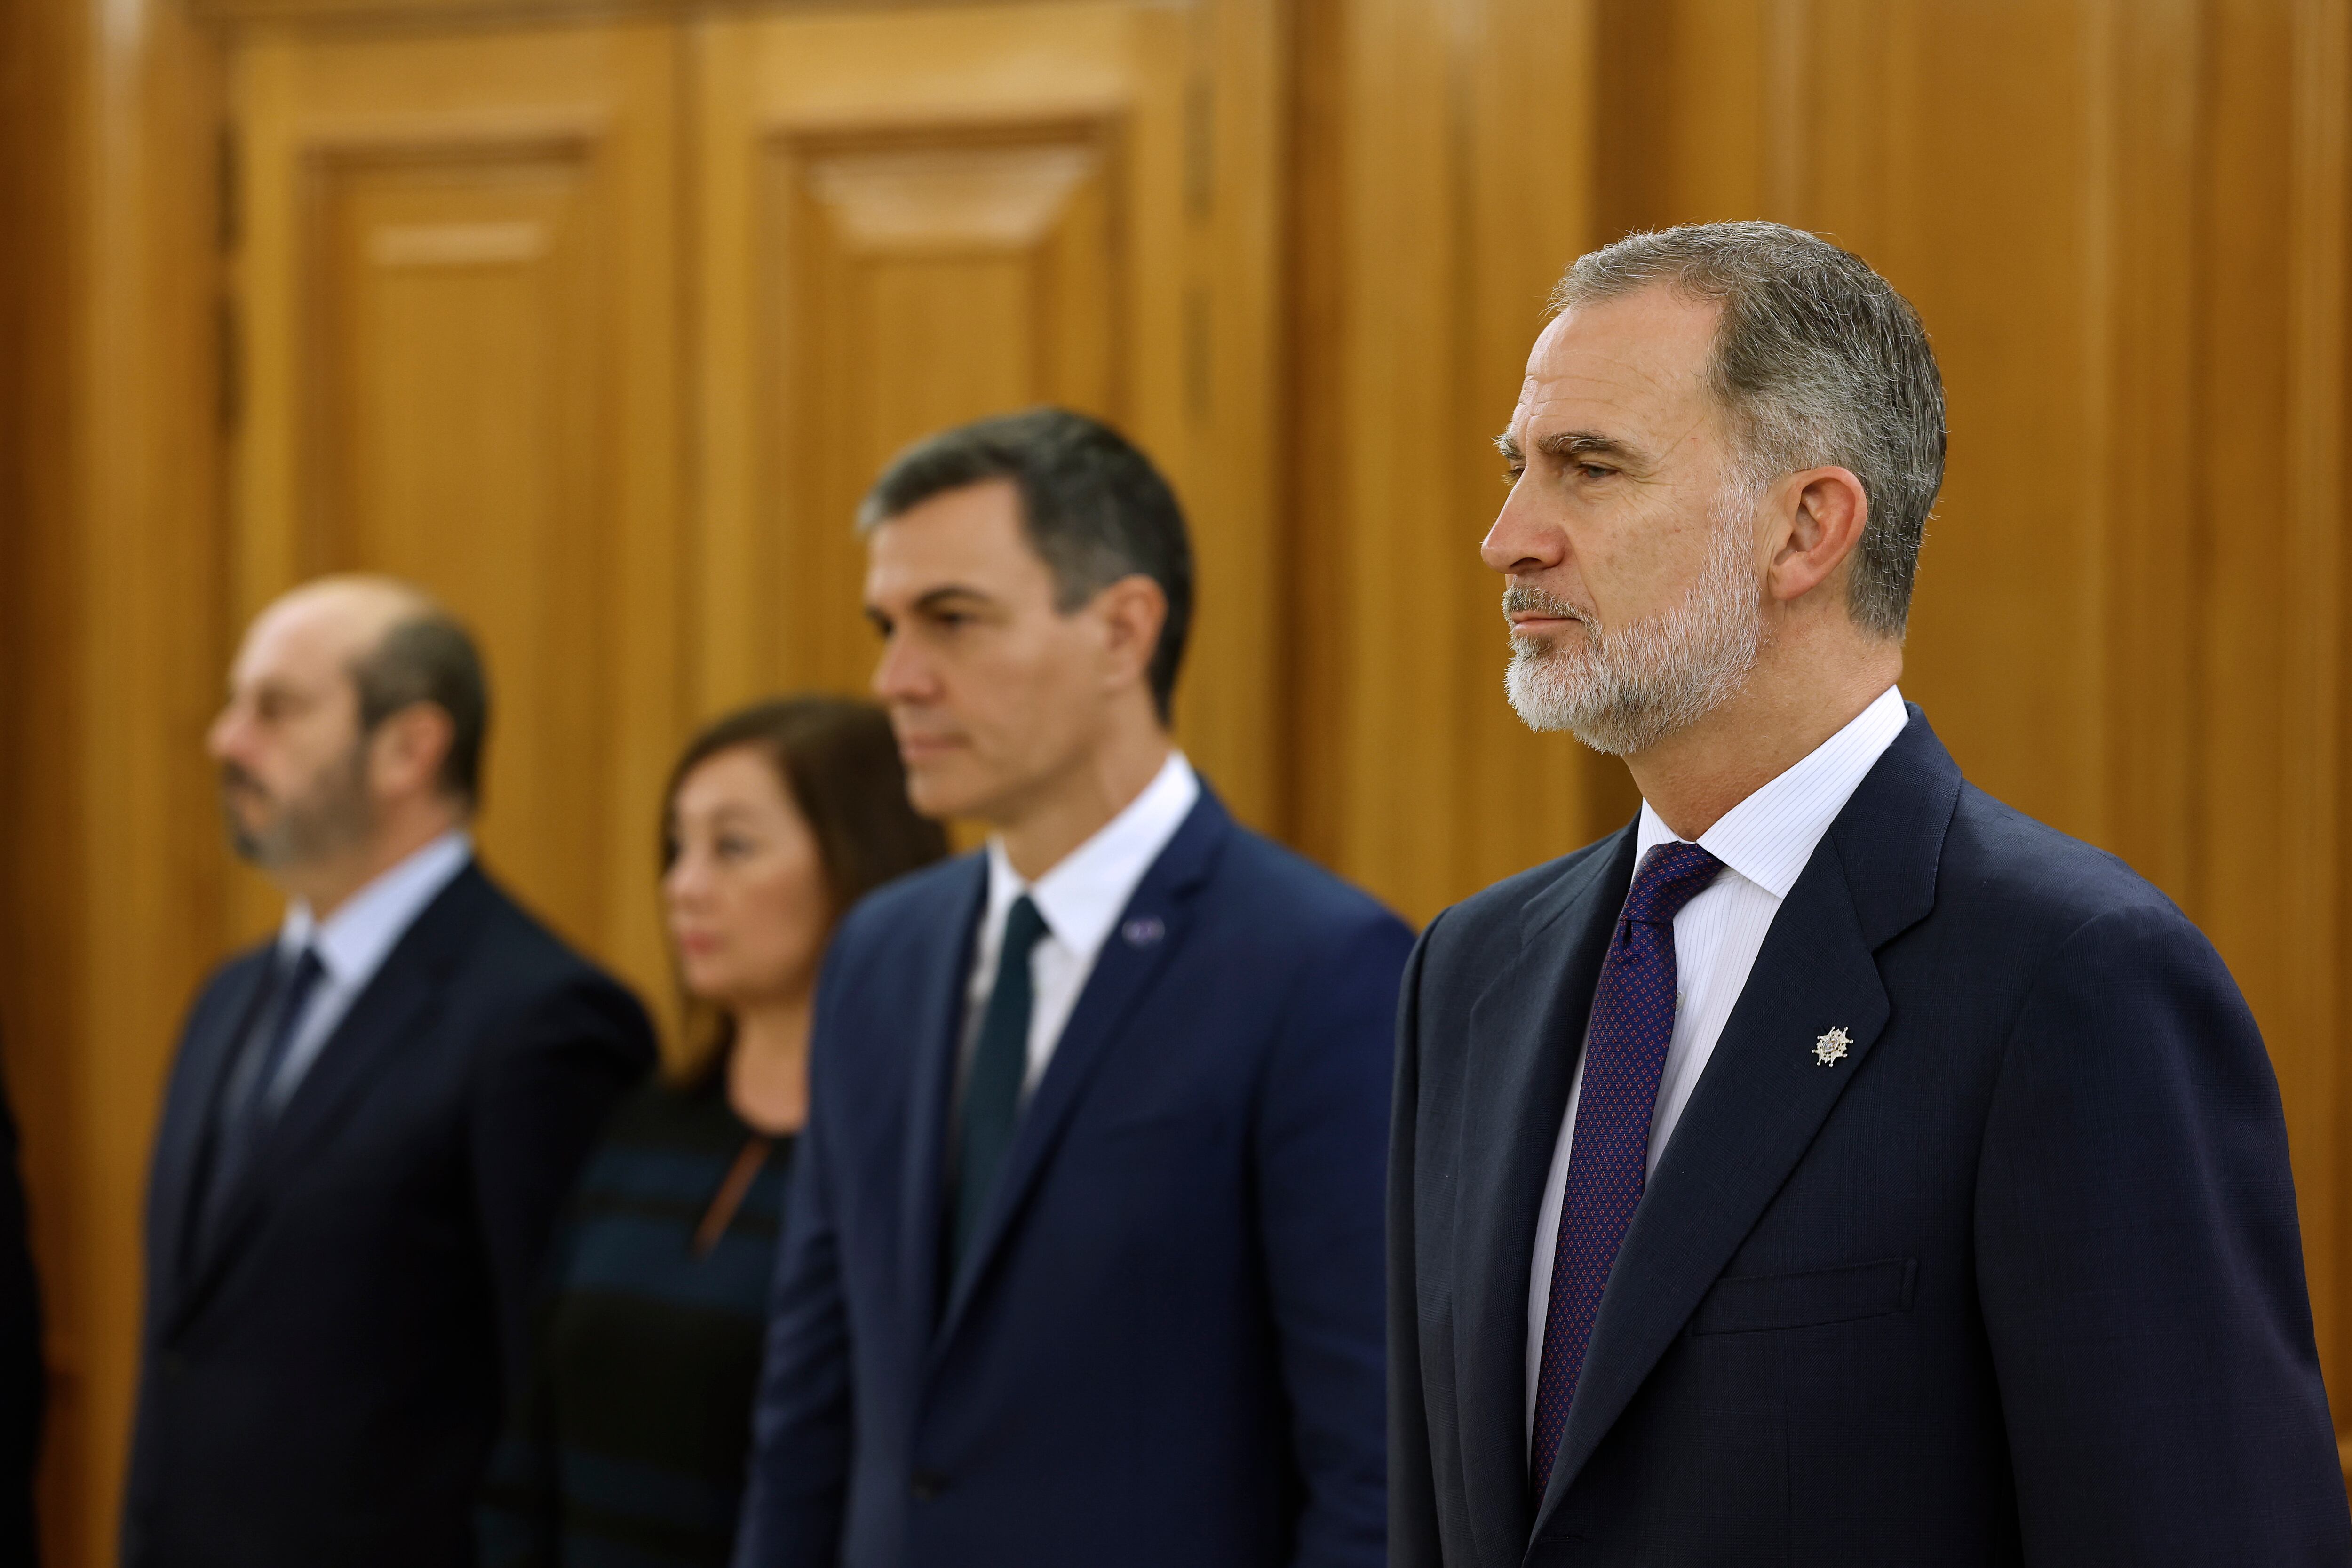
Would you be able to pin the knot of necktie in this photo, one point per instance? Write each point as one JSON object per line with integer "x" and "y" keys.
{"x": 1671, "y": 875}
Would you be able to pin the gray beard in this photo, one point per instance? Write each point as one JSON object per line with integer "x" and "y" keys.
{"x": 331, "y": 817}
{"x": 1631, "y": 687}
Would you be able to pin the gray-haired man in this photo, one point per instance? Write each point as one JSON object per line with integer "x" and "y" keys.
{"x": 1831, "y": 1166}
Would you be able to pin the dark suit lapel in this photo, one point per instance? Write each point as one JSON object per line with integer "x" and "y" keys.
{"x": 1764, "y": 1095}
{"x": 206, "y": 1059}
{"x": 395, "y": 1008}
{"x": 1123, "y": 973}
{"x": 942, "y": 976}
{"x": 1525, "y": 1032}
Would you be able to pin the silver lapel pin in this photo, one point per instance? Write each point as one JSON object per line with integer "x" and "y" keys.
{"x": 1830, "y": 1049}
{"x": 1143, "y": 930}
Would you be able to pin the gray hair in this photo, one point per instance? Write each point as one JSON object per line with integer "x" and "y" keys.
{"x": 1819, "y": 362}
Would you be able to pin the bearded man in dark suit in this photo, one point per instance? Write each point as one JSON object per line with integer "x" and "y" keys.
{"x": 372, "y": 1120}
{"x": 1833, "y": 1166}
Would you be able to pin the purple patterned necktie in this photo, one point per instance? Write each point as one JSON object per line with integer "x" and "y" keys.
{"x": 1609, "y": 1157}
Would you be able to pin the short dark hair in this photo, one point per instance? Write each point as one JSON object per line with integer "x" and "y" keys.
{"x": 1819, "y": 362}
{"x": 428, "y": 656}
{"x": 1092, "y": 505}
{"x": 839, "y": 763}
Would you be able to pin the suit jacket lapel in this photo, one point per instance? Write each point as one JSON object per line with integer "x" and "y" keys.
{"x": 1763, "y": 1095}
{"x": 943, "y": 977}
{"x": 1525, "y": 1030}
{"x": 396, "y": 1006}
{"x": 206, "y": 1059}
{"x": 1123, "y": 973}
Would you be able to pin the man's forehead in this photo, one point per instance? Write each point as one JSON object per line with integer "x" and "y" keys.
{"x": 1640, "y": 356}
{"x": 971, "y": 537}
{"x": 299, "y": 642}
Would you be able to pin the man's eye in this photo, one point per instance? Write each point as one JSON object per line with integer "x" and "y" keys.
{"x": 1594, "y": 470}
{"x": 1513, "y": 473}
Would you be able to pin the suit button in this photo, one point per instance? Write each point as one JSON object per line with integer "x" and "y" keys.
{"x": 928, "y": 1484}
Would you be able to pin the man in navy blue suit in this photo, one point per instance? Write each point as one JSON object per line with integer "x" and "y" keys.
{"x": 1833, "y": 1166}
{"x": 371, "y": 1123}
{"x": 1083, "y": 1260}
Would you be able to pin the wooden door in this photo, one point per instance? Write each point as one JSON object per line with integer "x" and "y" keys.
{"x": 912, "y": 218}
{"x": 455, "y": 286}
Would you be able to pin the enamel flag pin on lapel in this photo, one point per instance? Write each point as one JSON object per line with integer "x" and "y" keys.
{"x": 1829, "y": 1049}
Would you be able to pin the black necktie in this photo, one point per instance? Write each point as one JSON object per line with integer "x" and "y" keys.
{"x": 246, "y": 1109}
{"x": 992, "y": 1095}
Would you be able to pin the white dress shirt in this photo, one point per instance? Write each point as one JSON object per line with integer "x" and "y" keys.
{"x": 1764, "y": 842}
{"x": 1080, "y": 899}
{"x": 353, "y": 944}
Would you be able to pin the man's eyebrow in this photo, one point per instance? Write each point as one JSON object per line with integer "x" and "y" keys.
{"x": 947, "y": 594}
{"x": 1585, "y": 445}
{"x": 1573, "y": 446}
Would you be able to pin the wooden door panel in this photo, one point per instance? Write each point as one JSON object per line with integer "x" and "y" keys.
{"x": 455, "y": 437}
{"x": 926, "y": 280}
{"x": 912, "y": 218}
{"x": 458, "y": 298}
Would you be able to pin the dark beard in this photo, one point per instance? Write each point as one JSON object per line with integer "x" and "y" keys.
{"x": 329, "y": 815}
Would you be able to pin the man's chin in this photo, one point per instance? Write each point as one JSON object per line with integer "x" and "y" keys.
{"x": 941, "y": 790}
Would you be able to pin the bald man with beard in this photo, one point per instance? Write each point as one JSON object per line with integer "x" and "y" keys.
{"x": 372, "y": 1119}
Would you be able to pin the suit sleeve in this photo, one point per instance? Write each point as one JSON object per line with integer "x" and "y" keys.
{"x": 1413, "y": 1497}
{"x": 2140, "y": 1269}
{"x": 797, "y": 1489}
{"x": 543, "y": 1103}
{"x": 518, "y": 1522}
{"x": 1321, "y": 1141}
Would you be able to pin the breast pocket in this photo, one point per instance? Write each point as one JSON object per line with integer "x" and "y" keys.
{"x": 1753, "y": 1303}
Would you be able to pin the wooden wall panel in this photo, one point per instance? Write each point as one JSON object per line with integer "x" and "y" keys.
{"x": 456, "y": 280}
{"x": 912, "y": 218}
{"x": 455, "y": 437}
{"x": 921, "y": 279}
{"x": 110, "y": 627}
{"x": 1448, "y": 154}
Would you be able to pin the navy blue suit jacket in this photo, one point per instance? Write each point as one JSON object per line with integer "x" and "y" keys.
{"x": 2017, "y": 1280}
{"x": 1166, "y": 1348}
{"x": 323, "y": 1382}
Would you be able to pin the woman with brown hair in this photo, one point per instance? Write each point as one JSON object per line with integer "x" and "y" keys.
{"x": 629, "y": 1441}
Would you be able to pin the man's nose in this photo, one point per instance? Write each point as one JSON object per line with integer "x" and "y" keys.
{"x": 223, "y": 734}
{"x": 898, "y": 674}
{"x": 1522, "y": 542}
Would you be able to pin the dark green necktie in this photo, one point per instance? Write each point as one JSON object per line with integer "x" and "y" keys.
{"x": 992, "y": 1095}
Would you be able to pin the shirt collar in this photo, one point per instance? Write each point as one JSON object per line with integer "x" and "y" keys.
{"x": 355, "y": 941}
{"x": 1770, "y": 837}
{"x": 1081, "y": 896}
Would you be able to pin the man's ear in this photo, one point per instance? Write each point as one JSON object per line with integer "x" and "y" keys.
{"x": 1133, "y": 609}
{"x": 405, "y": 754}
{"x": 1823, "y": 512}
